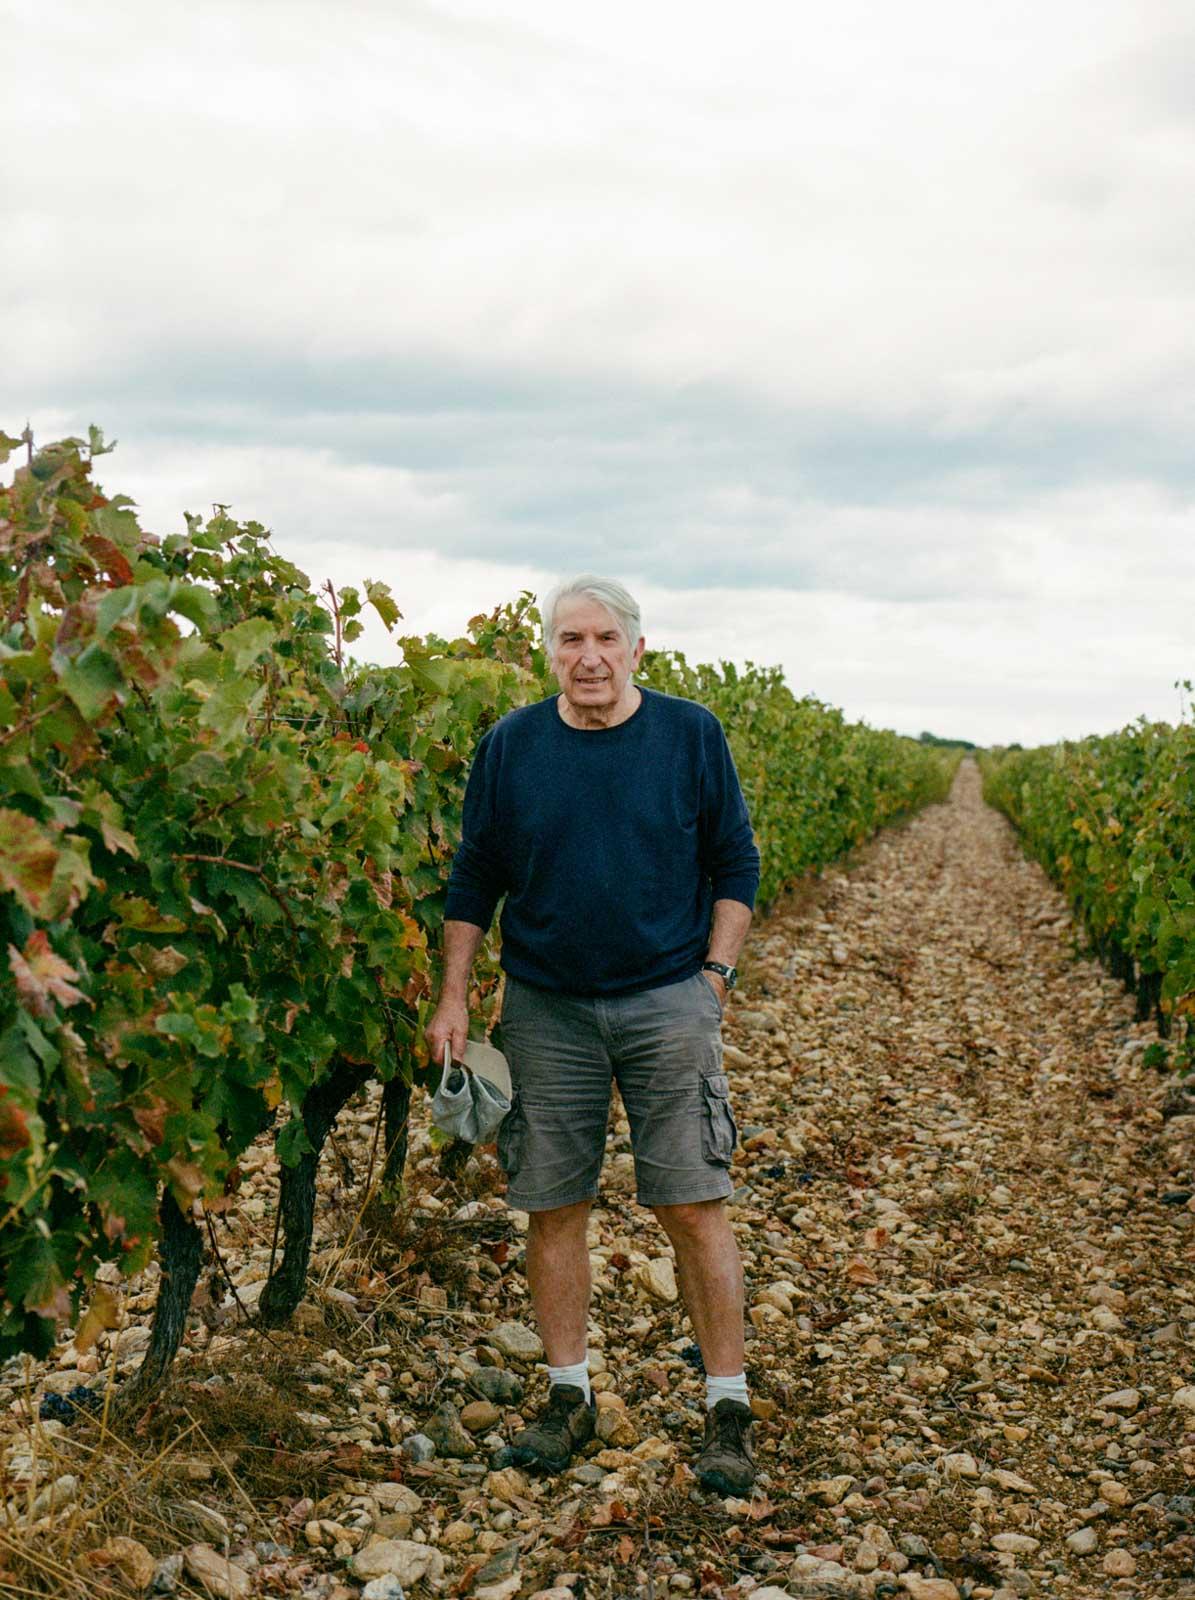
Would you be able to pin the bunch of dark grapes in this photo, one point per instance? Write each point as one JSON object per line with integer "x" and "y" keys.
{"x": 67, "y": 1407}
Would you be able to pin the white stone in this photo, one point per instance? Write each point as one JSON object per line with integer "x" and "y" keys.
{"x": 507, "y": 1483}
{"x": 387, "y": 1588}
{"x": 213, "y": 1524}
{"x": 1119, "y": 1564}
{"x": 1103, "y": 1294}
{"x": 517, "y": 1342}
{"x": 216, "y": 1573}
{"x": 1017, "y": 1544}
{"x": 658, "y": 1278}
{"x": 55, "y": 1496}
{"x": 1113, "y": 1493}
{"x": 403, "y": 1558}
{"x": 396, "y": 1497}
{"x": 960, "y": 1464}
{"x": 830, "y": 1491}
{"x": 1126, "y": 1400}
{"x": 1105, "y": 1319}
{"x": 808, "y": 1571}
{"x": 502, "y": 1590}
{"x": 131, "y": 1342}
{"x": 877, "y": 1536}
{"x": 1012, "y": 1482}
{"x": 66, "y": 1380}
{"x": 130, "y": 1557}
{"x": 1184, "y": 1397}
{"x": 928, "y": 1588}
{"x": 1082, "y": 1542}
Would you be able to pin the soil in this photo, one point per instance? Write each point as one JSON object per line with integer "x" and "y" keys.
{"x": 964, "y": 1206}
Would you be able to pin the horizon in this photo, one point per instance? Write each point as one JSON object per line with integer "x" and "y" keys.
{"x": 375, "y": 635}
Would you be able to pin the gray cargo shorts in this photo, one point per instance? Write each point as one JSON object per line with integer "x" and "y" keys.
{"x": 664, "y": 1048}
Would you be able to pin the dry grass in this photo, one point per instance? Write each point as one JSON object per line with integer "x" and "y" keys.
{"x": 237, "y": 1443}
{"x": 248, "y": 1420}
{"x": 122, "y": 1489}
{"x": 410, "y": 1249}
{"x": 227, "y": 1433}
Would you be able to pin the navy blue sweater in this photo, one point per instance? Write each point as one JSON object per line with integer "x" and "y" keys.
{"x": 610, "y": 845}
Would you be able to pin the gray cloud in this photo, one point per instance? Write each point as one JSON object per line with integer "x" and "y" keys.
{"x": 875, "y": 309}
{"x": 692, "y": 487}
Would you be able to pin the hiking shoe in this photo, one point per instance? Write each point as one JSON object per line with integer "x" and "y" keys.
{"x": 562, "y": 1427}
{"x": 726, "y": 1464}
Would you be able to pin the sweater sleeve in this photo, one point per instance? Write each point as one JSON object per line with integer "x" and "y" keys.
{"x": 478, "y": 881}
{"x": 728, "y": 850}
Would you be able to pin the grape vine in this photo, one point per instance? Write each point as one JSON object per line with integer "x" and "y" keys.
{"x": 1110, "y": 819}
{"x": 223, "y": 851}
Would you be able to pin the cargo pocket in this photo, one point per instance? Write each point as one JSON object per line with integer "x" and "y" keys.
{"x": 512, "y": 1135}
{"x": 718, "y": 1132}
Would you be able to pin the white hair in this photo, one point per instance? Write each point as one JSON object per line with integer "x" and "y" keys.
{"x": 621, "y": 604}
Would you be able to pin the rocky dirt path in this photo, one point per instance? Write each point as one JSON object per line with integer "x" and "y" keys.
{"x": 968, "y": 1238}
{"x": 993, "y": 1246}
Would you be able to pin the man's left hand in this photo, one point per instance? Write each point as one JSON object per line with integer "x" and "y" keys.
{"x": 718, "y": 984}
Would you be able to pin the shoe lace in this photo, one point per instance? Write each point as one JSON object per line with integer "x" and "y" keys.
{"x": 730, "y": 1428}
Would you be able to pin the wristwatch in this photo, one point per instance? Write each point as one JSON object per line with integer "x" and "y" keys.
{"x": 729, "y": 975}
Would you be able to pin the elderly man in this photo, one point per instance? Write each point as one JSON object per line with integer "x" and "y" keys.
{"x": 611, "y": 819}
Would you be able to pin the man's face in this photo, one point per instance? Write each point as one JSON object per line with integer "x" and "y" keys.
{"x": 591, "y": 657}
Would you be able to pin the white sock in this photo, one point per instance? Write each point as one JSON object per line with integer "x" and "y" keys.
{"x": 731, "y": 1387}
{"x": 577, "y": 1375}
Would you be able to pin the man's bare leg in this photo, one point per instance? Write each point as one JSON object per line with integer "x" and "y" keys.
{"x": 711, "y": 1280}
{"x": 558, "y": 1276}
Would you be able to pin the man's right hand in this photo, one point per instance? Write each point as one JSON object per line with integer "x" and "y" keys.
{"x": 450, "y": 1022}
{"x": 449, "y": 1025}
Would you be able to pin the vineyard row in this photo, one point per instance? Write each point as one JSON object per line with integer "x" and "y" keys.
{"x": 1112, "y": 820}
{"x": 224, "y": 846}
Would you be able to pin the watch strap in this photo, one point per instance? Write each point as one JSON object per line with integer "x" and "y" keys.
{"x": 728, "y": 974}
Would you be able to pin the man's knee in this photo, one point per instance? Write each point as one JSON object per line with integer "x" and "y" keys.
{"x": 698, "y": 1219}
{"x": 560, "y": 1222}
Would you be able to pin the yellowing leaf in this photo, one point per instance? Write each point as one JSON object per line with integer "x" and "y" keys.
{"x": 103, "y": 1313}
{"x": 42, "y": 977}
{"x": 186, "y": 1181}
{"x": 14, "y": 1127}
{"x": 151, "y": 1119}
{"x": 161, "y": 962}
{"x": 136, "y": 912}
{"x": 27, "y": 860}
{"x": 54, "y": 1304}
{"x": 380, "y": 598}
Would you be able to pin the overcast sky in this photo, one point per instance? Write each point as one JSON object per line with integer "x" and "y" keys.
{"x": 859, "y": 339}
